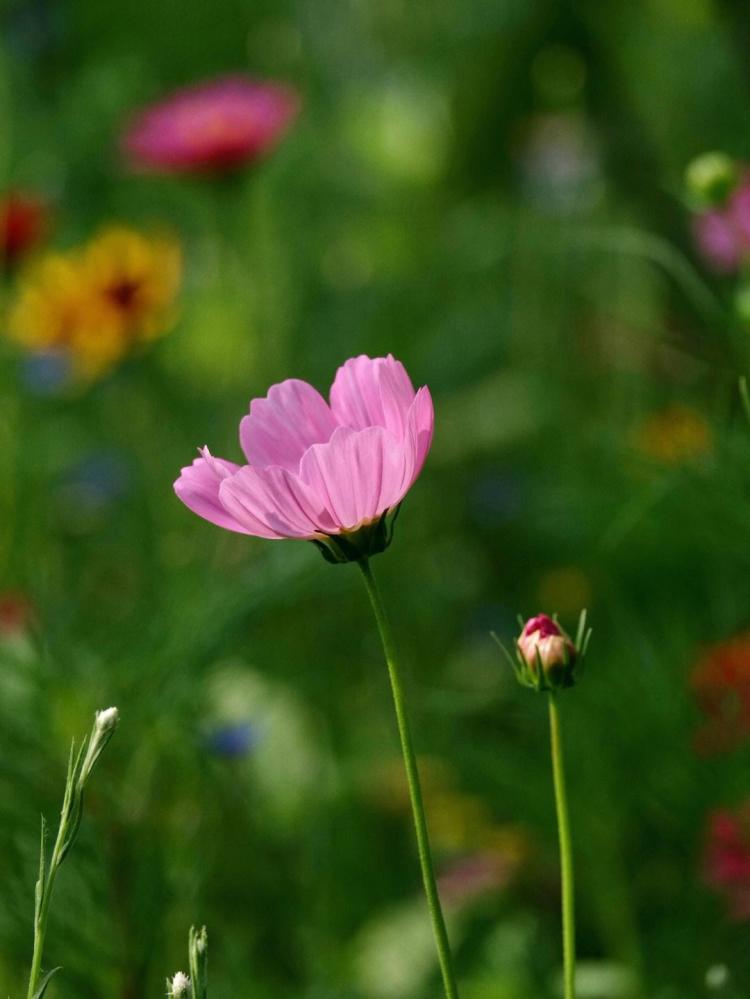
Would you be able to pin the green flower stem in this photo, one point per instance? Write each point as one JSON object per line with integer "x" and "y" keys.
{"x": 415, "y": 790}
{"x": 42, "y": 911}
{"x": 566, "y": 854}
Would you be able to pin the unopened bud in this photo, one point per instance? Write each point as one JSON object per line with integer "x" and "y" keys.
{"x": 546, "y": 656}
{"x": 544, "y": 643}
{"x": 105, "y": 724}
{"x": 710, "y": 178}
{"x": 107, "y": 720}
{"x": 198, "y": 950}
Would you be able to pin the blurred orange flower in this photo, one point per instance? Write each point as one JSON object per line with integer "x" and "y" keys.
{"x": 674, "y": 435}
{"x": 98, "y": 302}
{"x": 721, "y": 683}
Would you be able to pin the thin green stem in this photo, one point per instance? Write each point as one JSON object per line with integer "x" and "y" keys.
{"x": 42, "y": 913}
{"x": 566, "y": 853}
{"x": 415, "y": 790}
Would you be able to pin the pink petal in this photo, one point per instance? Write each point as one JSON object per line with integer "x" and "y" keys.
{"x": 273, "y": 503}
{"x": 198, "y": 488}
{"x": 420, "y": 426}
{"x": 358, "y": 475}
{"x": 717, "y": 240}
{"x": 372, "y": 392}
{"x": 281, "y": 427}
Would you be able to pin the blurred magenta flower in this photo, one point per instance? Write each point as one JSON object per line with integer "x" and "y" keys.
{"x": 722, "y": 233}
{"x": 727, "y": 858}
{"x": 717, "y": 240}
{"x": 212, "y": 127}
{"x": 331, "y": 474}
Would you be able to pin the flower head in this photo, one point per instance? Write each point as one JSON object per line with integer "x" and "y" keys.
{"x": 212, "y": 127}
{"x": 727, "y": 858}
{"x": 329, "y": 472}
{"x": 23, "y": 223}
{"x": 136, "y": 276}
{"x": 94, "y": 304}
{"x": 179, "y": 987}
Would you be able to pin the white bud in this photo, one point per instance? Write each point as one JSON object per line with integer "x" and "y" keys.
{"x": 179, "y": 987}
{"x": 105, "y": 724}
{"x": 107, "y": 720}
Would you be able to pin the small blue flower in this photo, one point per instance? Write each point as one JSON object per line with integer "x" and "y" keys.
{"x": 46, "y": 372}
{"x": 234, "y": 739}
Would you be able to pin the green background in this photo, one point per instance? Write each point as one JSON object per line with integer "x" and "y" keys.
{"x": 492, "y": 191}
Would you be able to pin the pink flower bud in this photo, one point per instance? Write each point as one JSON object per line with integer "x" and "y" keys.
{"x": 543, "y": 640}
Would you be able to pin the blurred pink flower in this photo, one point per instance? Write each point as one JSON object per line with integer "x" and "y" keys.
{"x": 213, "y": 127}
{"x": 727, "y": 858}
{"x": 315, "y": 470}
{"x": 463, "y": 881}
{"x": 723, "y": 234}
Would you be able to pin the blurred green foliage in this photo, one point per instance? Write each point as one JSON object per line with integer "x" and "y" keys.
{"x": 491, "y": 191}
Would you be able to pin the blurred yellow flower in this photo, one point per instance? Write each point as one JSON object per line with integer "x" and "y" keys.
{"x": 96, "y": 303}
{"x": 674, "y": 435}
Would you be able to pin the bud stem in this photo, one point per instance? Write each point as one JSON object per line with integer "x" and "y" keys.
{"x": 80, "y": 764}
{"x": 566, "y": 853}
{"x": 415, "y": 790}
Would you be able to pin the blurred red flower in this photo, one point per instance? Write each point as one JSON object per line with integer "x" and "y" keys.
{"x": 727, "y": 858}
{"x": 15, "y": 614}
{"x": 213, "y": 127}
{"x": 24, "y": 220}
{"x": 721, "y": 683}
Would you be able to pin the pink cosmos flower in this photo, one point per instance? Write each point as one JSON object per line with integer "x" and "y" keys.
{"x": 213, "y": 127}
{"x": 331, "y": 473}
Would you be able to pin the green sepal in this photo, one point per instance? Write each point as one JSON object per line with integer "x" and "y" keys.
{"x": 353, "y": 546}
{"x": 561, "y": 677}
